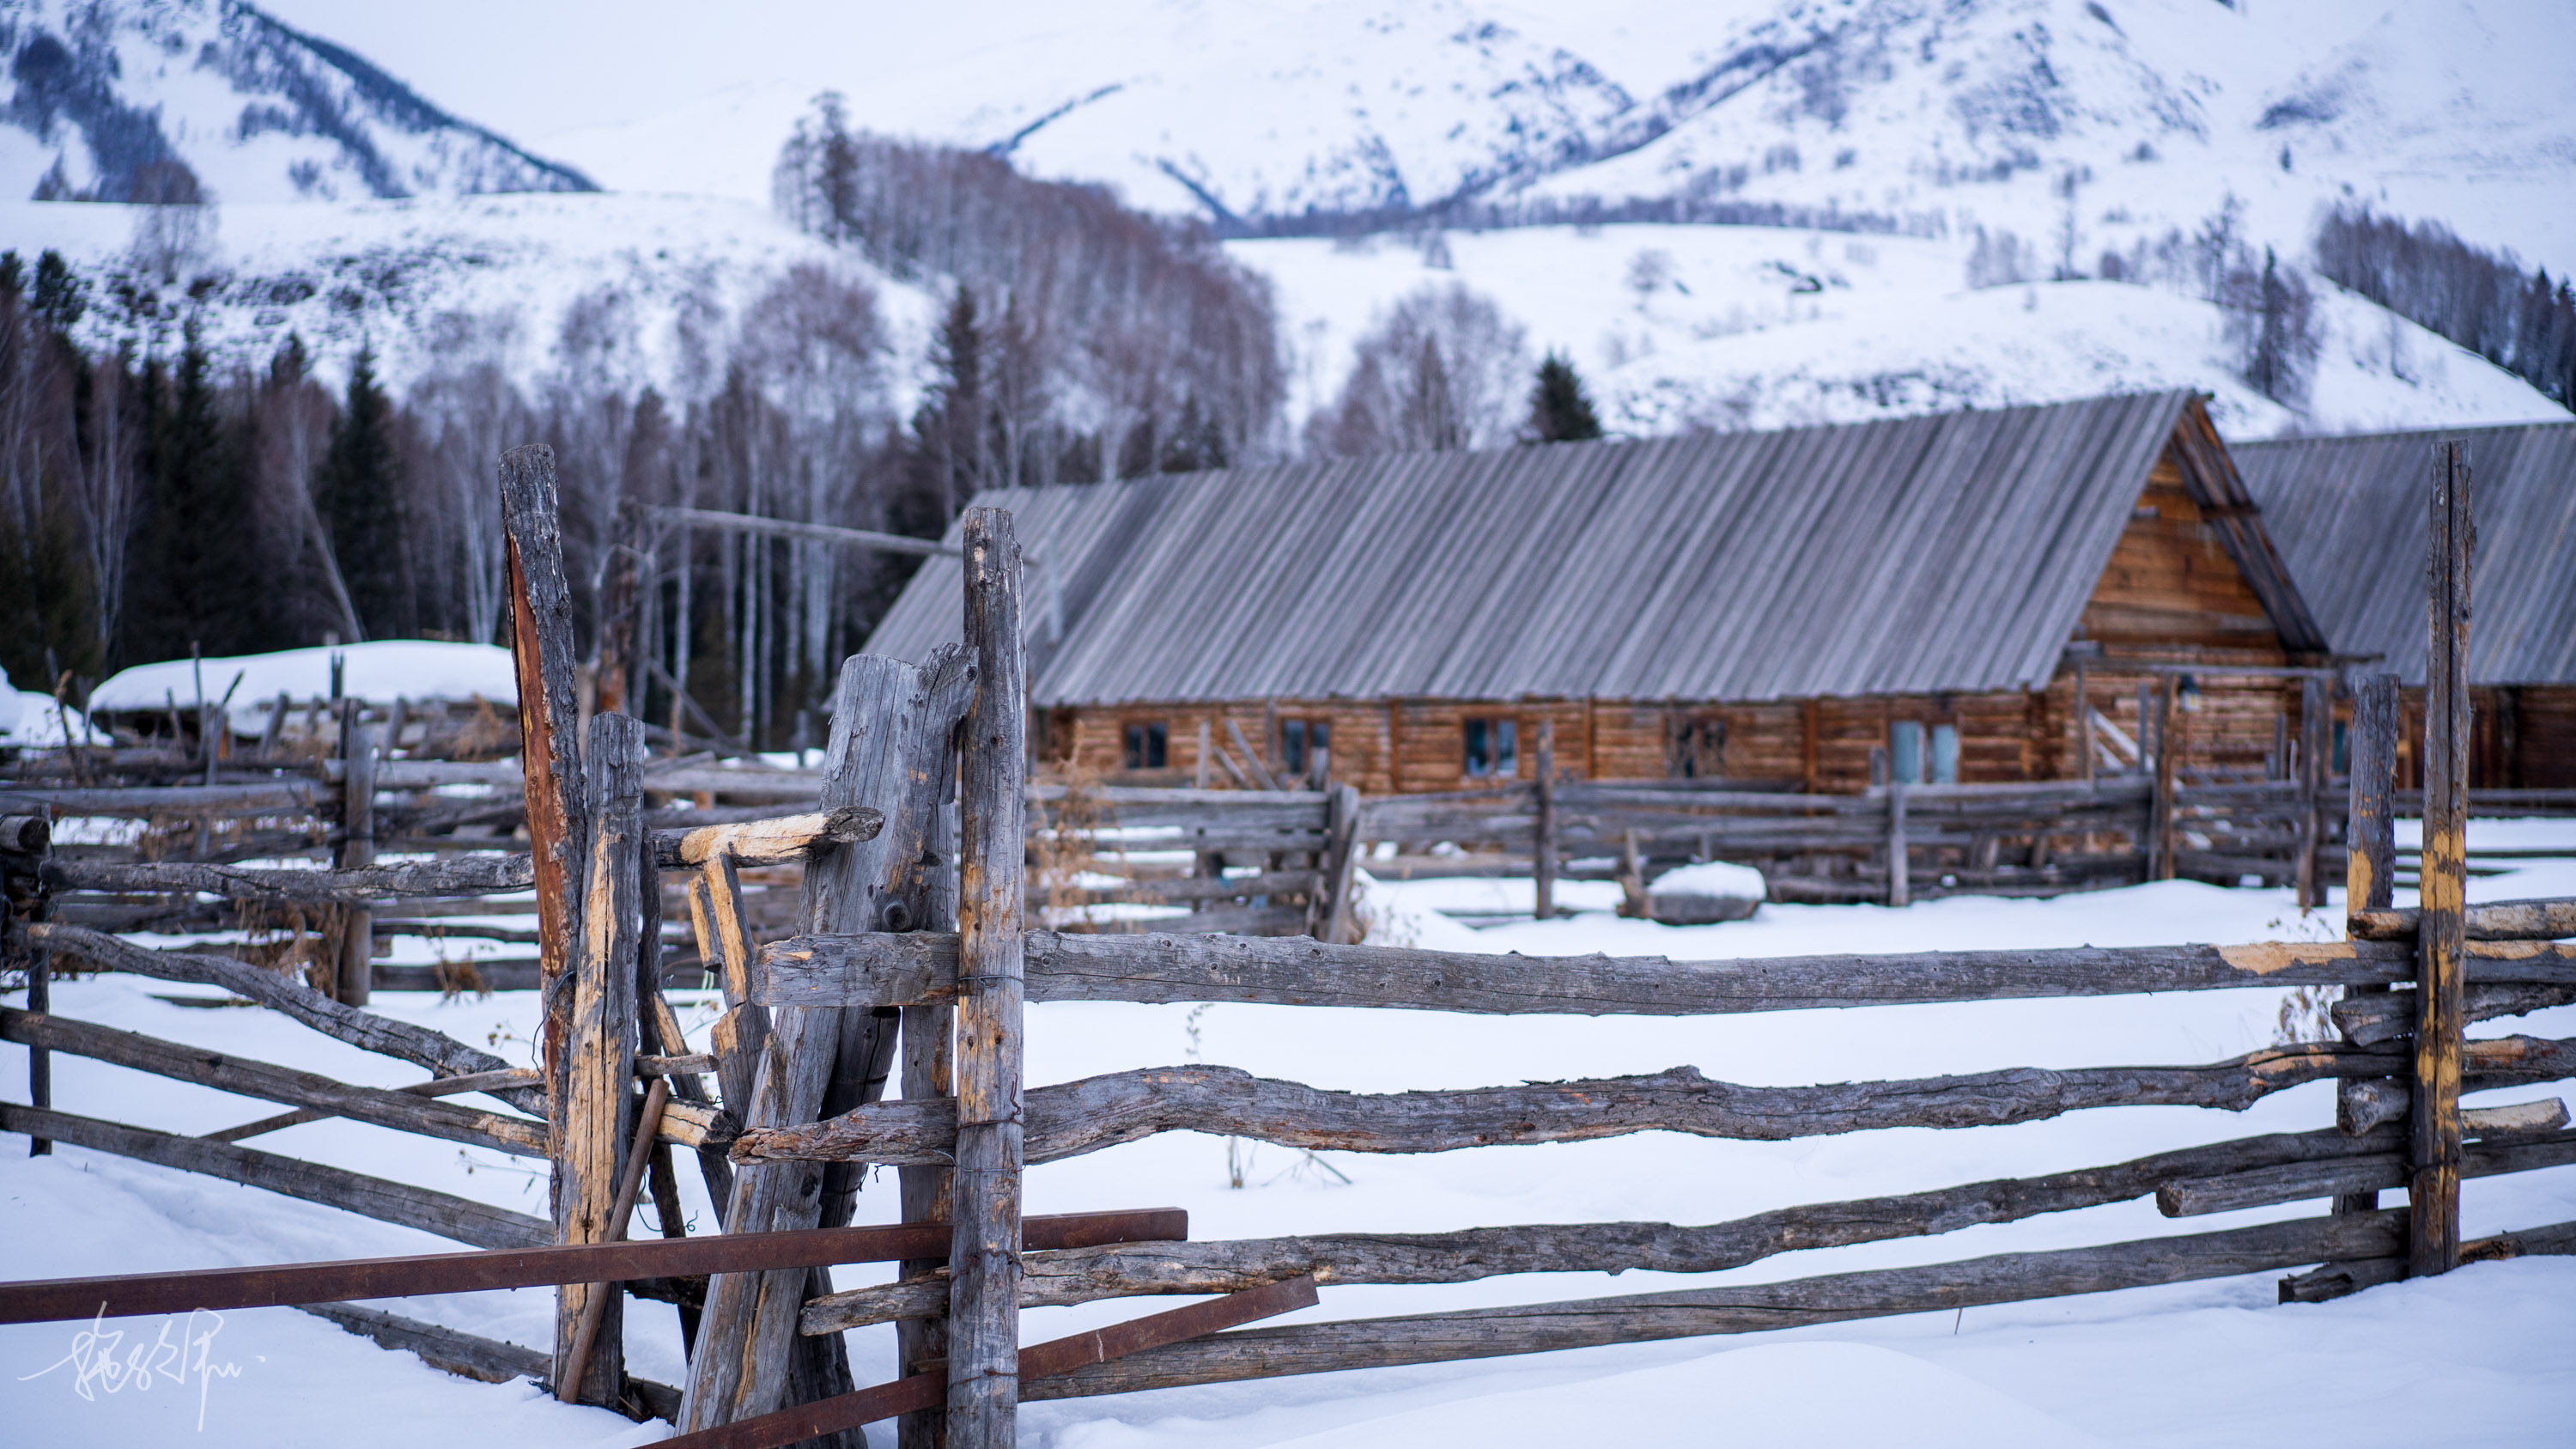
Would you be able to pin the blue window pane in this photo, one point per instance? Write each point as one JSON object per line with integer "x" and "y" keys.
{"x": 1945, "y": 754}
{"x": 1905, "y": 752}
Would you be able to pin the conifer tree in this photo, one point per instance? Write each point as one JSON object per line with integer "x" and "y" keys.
{"x": 1559, "y": 410}
{"x": 357, "y": 491}
{"x": 953, "y": 428}
{"x": 194, "y": 574}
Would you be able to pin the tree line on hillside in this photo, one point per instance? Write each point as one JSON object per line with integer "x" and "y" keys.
{"x": 1086, "y": 341}
{"x": 2480, "y": 300}
{"x": 150, "y": 506}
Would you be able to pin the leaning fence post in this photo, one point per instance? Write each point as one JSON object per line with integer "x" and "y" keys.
{"x": 599, "y": 1075}
{"x": 24, "y": 842}
{"x": 2433, "y": 1197}
{"x": 984, "y": 1291}
{"x": 541, "y": 649}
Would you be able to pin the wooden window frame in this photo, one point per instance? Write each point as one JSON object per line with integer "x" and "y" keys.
{"x": 1499, "y": 737}
{"x": 1141, "y": 740}
{"x": 1686, "y": 734}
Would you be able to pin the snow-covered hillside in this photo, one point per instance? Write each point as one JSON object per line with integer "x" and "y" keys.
{"x": 659, "y": 282}
{"x": 105, "y": 93}
{"x": 1729, "y": 327}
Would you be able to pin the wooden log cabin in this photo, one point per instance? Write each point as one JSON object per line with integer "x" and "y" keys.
{"x": 2352, "y": 516}
{"x": 1775, "y": 609}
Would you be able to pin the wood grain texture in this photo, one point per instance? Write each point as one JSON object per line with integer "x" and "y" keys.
{"x": 890, "y": 726}
{"x": 2441, "y": 925}
{"x": 2537, "y": 920}
{"x": 920, "y": 969}
{"x": 1746, "y": 1308}
{"x": 544, "y": 654}
{"x": 1073, "y": 1118}
{"x": 594, "y": 1146}
{"x": 992, "y": 894}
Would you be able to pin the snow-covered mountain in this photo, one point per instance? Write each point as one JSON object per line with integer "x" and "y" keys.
{"x": 125, "y": 100}
{"x": 2083, "y": 126}
{"x": 1935, "y": 111}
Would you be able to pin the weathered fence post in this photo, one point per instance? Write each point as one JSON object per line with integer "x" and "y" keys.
{"x": 2083, "y": 720}
{"x": 2316, "y": 735}
{"x": 354, "y": 977}
{"x": 891, "y": 729}
{"x": 24, "y": 842}
{"x": 2441, "y": 942}
{"x": 2161, "y": 825}
{"x": 1543, "y": 856}
{"x": 1900, "y": 865}
{"x": 929, "y": 1071}
{"x": 984, "y": 1264}
{"x": 599, "y": 1084}
{"x": 541, "y": 648}
{"x": 1342, "y": 829}
{"x": 2370, "y": 864}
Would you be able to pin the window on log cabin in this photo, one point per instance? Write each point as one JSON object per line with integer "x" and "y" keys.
{"x": 1306, "y": 748}
{"x": 1148, "y": 745}
{"x": 1695, "y": 748}
{"x": 1921, "y": 755}
{"x": 1493, "y": 748}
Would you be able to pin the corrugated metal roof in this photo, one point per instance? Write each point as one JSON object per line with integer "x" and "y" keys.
{"x": 2354, "y": 518}
{"x": 1946, "y": 552}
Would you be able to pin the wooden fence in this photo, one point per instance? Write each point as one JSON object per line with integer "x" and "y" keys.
{"x": 961, "y": 1142}
{"x": 916, "y": 945}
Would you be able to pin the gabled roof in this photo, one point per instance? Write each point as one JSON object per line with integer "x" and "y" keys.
{"x": 1935, "y": 553}
{"x": 2354, "y": 518}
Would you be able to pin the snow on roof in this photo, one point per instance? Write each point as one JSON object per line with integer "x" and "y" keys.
{"x": 30, "y": 720}
{"x": 379, "y": 672}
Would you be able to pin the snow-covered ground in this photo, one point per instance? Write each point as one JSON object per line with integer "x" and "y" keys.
{"x": 2195, "y": 1364}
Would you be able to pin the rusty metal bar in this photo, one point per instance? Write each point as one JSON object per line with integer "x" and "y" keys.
{"x": 125, "y": 1295}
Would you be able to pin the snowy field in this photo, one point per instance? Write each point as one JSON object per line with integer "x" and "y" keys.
{"x": 2477, "y": 1356}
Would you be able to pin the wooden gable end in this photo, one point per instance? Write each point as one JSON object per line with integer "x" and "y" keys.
{"x": 2172, "y": 582}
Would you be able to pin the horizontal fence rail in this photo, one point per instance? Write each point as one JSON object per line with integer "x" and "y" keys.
{"x": 919, "y": 968}
{"x": 2248, "y": 1172}
{"x": 1074, "y": 1118}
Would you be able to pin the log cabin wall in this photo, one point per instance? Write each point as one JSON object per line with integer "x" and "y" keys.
{"x": 2224, "y": 725}
{"x": 2171, "y": 594}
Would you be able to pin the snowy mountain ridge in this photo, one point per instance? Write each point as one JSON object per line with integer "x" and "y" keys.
{"x": 119, "y": 100}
